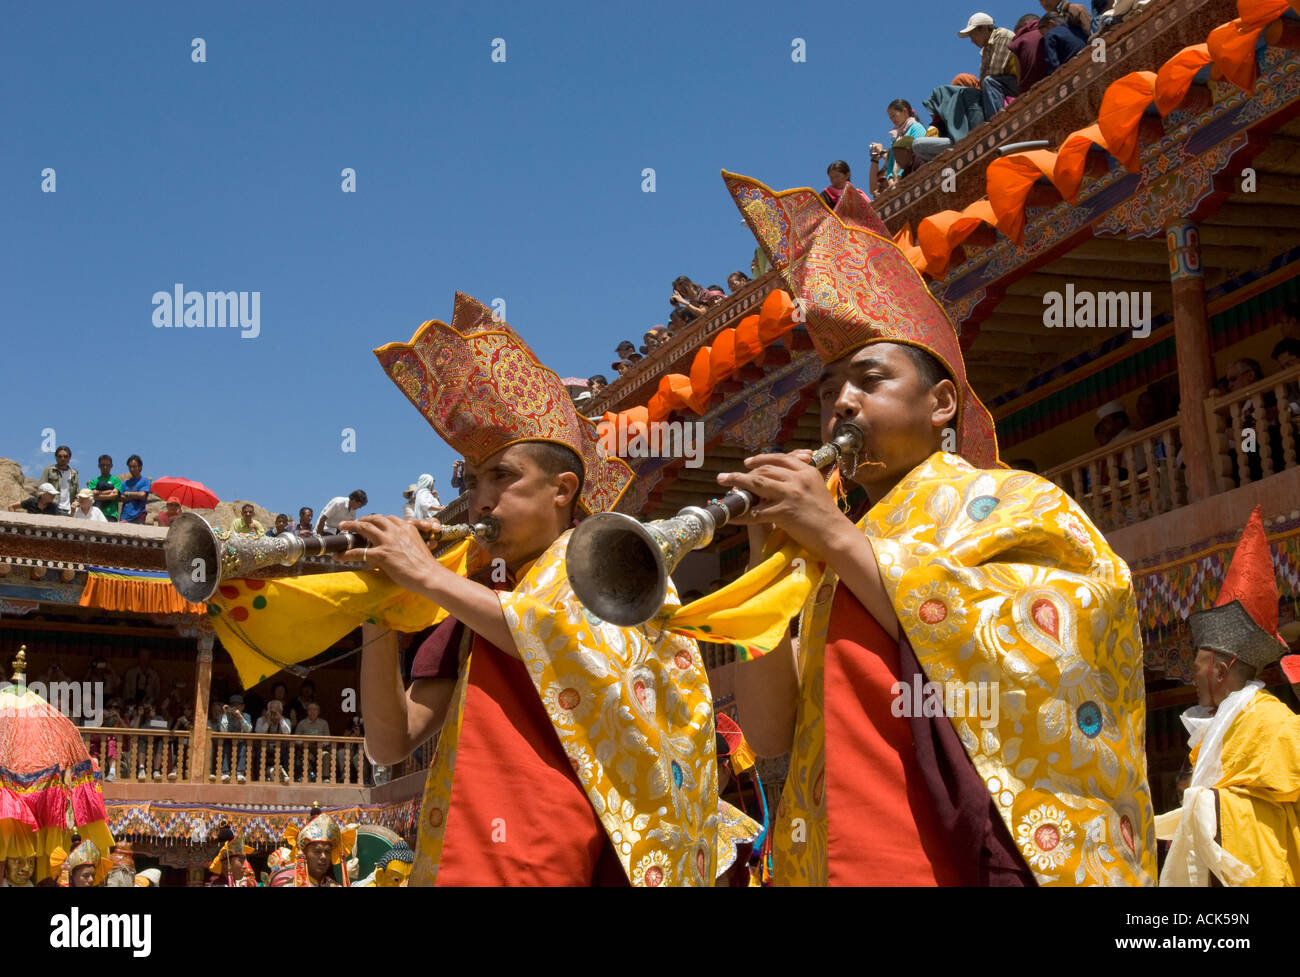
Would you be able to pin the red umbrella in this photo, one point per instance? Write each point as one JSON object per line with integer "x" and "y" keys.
{"x": 192, "y": 494}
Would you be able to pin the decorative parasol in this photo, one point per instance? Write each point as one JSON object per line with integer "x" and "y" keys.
{"x": 46, "y": 775}
{"x": 192, "y": 494}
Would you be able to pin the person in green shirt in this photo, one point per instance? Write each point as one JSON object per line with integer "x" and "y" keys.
{"x": 247, "y": 524}
{"x": 107, "y": 488}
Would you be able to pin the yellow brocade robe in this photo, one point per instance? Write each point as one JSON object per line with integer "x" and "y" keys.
{"x": 1259, "y": 791}
{"x": 998, "y": 577}
{"x": 633, "y": 712}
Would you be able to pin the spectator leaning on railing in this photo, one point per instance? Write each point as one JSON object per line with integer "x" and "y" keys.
{"x": 107, "y": 488}
{"x": 313, "y": 725}
{"x": 338, "y": 510}
{"x": 169, "y": 512}
{"x": 40, "y": 504}
{"x": 233, "y": 720}
{"x": 246, "y": 524}
{"x": 135, "y": 492}
{"x": 736, "y": 281}
{"x": 86, "y": 508}
{"x": 64, "y": 479}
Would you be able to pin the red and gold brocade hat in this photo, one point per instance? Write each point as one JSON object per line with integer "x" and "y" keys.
{"x": 483, "y": 389}
{"x": 859, "y": 288}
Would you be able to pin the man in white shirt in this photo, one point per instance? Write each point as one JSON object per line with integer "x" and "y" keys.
{"x": 86, "y": 508}
{"x": 338, "y": 510}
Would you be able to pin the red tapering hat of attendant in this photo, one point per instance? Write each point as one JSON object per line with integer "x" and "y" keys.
{"x": 483, "y": 389}
{"x": 1243, "y": 621}
{"x": 858, "y": 287}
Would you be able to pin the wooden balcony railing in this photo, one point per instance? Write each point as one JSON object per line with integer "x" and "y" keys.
{"x": 139, "y": 755}
{"x": 1127, "y": 480}
{"x": 145, "y": 755}
{"x": 1254, "y": 430}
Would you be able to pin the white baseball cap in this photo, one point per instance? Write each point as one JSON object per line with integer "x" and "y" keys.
{"x": 46, "y": 487}
{"x": 976, "y": 20}
{"x": 1114, "y": 407}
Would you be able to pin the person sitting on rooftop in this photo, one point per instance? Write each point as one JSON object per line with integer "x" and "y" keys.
{"x": 711, "y": 296}
{"x": 1029, "y": 48}
{"x": 905, "y": 124}
{"x": 40, "y": 504}
{"x": 998, "y": 66}
{"x": 1077, "y": 17}
{"x": 685, "y": 301}
{"x": 654, "y": 337}
{"x": 596, "y": 383}
{"x": 1060, "y": 43}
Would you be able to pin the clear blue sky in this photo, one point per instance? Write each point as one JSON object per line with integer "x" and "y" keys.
{"x": 520, "y": 180}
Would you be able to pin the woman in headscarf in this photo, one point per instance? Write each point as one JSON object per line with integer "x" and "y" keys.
{"x": 427, "y": 505}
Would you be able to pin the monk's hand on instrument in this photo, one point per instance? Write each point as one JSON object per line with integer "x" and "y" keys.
{"x": 396, "y": 548}
{"x": 792, "y": 496}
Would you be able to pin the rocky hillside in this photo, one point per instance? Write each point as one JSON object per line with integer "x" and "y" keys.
{"x": 14, "y": 486}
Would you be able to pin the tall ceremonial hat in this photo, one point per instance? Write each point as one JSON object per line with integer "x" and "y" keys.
{"x": 1243, "y": 620}
{"x": 86, "y": 853}
{"x": 229, "y": 842}
{"x": 483, "y": 389}
{"x": 857, "y": 287}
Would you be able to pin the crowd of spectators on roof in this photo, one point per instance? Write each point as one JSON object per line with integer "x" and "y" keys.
{"x": 688, "y": 302}
{"x": 113, "y": 498}
{"x": 1012, "y": 61}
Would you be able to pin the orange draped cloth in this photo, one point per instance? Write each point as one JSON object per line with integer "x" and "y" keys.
{"x": 518, "y": 815}
{"x": 881, "y": 827}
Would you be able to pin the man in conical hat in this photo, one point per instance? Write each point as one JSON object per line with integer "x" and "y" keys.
{"x": 84, "y": 865}
{"x": 1240, "y": 817}
{"x": 570, "y": 751}
{"x": 968, "y": 704}
{"x": 230, "y": 865}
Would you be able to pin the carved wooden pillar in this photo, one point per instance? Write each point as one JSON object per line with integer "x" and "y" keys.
{"x": 202, "y": 692}
{"x": 1195, "y": 362}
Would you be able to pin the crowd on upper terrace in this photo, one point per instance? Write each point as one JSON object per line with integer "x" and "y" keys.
{"x": 1012, "y": 61}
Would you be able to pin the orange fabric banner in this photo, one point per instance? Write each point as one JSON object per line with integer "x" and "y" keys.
{"x": 141, "y": 595}
{"x": 1122, "y": 108}
{"x": 942, "y": 232}
{"x": 1257, "y": 14}
{"x": 1067, "y": 174}
{"x": 1009, "y": 181}
{"x": 1234, "y": 52}
{"x": 1175, "y": 76}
